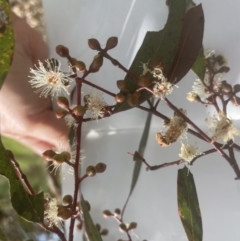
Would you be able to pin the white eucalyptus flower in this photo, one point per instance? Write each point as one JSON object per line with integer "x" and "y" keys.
{"x": 49, "y": 79}
{"x": 51, "y": 213}
{"x": 188, "y": 152}
{"x": 162, "y": 89}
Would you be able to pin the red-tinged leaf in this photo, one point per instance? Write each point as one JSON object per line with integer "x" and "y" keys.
{"x": 188, "y": 206}
{"x": 189, "y": 45}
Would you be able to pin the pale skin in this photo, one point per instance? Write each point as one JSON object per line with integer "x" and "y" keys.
{"x": 25, "y": 116}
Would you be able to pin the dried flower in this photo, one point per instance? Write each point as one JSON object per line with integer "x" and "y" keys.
{"x": 49, "y": 79}
{"x": 221, "y": 127}
{"x": 188, "y": 152}
{"x": 51, "y": 213}
{"x": 70, "y": 121}
{"x": 95, "y": 103}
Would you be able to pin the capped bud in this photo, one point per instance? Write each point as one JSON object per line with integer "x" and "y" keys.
{"x": 98, "y": 227}
{"x": 223, "y": 69}
{"x": 65, "y": 213}
{"x": 132, "y": 100}
{"x": 67, "y": 199}
{"x": 62, "y": 51}
{"x": 111, "y": 43}
{"x": 120, "y": 97}
{"x": 220, "y": 59}
{"x": 80, "y": 66}
{"x": 66, "y": 155}
{"x": 132, "y": 225}
{"x": 144, "y": 81}
{"x": 100, "y": 167}
{"x": 94, "y": 44}
{"x": 225, "y": 87}
{"x": 104, "y": 232}
{"x": 122, "y": 85}
{"x": 96, "y": 64}
{"x": 79, "y": 110}
{"x": 236, "y": 88}
{"x": 63, "y": 102}
{"x": 48, "y": 155}
{"x": 122, "y": 227}
{"x": 60, "y": 113}
{"x": 59, "y": 158}
{"x": 91, "y": 171}
{"x": 107, "y": 213}
{"x": 72, "y": 61}
{"x": 235, "y": 101}
{"x": 117, "y": 212}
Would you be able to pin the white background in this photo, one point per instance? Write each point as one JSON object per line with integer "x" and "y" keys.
{"x": 154, "y": 202}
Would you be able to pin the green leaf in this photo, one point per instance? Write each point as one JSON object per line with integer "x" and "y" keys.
{"x": 157, "y": 47}
{"x": 188, "y": 206}
{"x": 2, "y": 236}
{"x": 90, "y": 229}
{"x": 190, "y": 44}
{"x": 199, "y": 66}
{"x": 138, "y": 164}
{"x": 29, "y": 207}
{"x": 6, "y": 40}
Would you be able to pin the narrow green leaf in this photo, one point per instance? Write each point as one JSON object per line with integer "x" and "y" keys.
{"x": 90, "y": 229}
{"x": 157, "y": 47}
{"x": 199, "y": 66}
{"x": 29, "y": 207}
{"x": 6, "y": 39}
{"x": 190, "y": 44}
{"x": 188, "y": 206}
{"x": 2, "y": 235}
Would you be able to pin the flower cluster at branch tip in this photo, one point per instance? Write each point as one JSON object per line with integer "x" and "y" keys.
{"x": 95, "y": 103}
{"x": 221, "y": 127}
{"x": 188, "y": 152}
{"x": 51, "y": 213}
{"x": 49, "y": 79}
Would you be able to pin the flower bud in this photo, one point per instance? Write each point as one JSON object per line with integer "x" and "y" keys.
{"x": 236, "y": 88}
{"x": 144, "y": 81}
{"x": 94, "y": 44}
{"x": 104, "y": 232}
{"x": 48, "y": 155}
{"x": 66, "y": 155}
{"x": 132, "y": 100}
{"x": 122, "y": 227}
{"x": 63, "y": 102}
{"x": 62, "y": 51}
{"x": 137, "y": 94}
{"x": 100, "y": 167}
{"x": 132, "y": 225}
{"x": 122, "y": 85}
{"x": 80, "y": 66}
{"x": 65, "y": 214}
{"x": 67, "y": 199}
{"x": 107, "y": 214}
{"x": 60, "y": 113}
{"x": 59, "y": 158}
{"x": 79, "y": 110}
{"x": 91, "y": 171}
{"x": 225, "y": 87}
{"x": 111, "y": 43}
{"x": 96, "y": 64}
{"x": 117, "y": 212}
{"x": 120, "y": 97}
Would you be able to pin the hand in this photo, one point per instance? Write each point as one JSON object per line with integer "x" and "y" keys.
{"x": 24, "y": 115}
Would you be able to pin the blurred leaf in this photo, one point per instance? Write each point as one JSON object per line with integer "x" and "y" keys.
{"x": 6, "y": 39}
{"x": 199, "y": 66}
{"x": 138, "y": 164}
{"x": 190, "y": 44}
{"x": 157, "y": 47}
{"x": 2, "y": 236}
{"x": 90, "y": 229}
{"x": 29, "y": 207}
{"x": 188, "y": 206}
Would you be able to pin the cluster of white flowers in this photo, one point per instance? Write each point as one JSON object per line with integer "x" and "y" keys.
{"x": 188, "y": 152}
{"x": 162, "y": 89}
{"x": 49, "y": 79}
{"x": 51, "y": 213}
{"x": 221, "y": 127}
{"x": 95, "y": 104}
